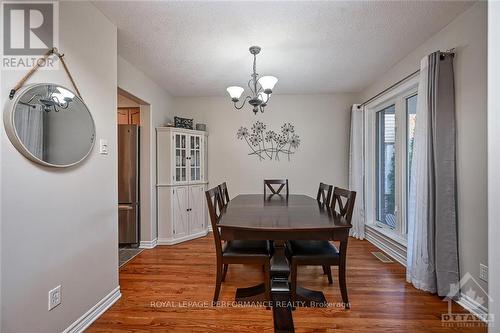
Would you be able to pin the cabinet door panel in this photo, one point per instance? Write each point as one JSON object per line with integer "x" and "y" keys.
{"x": 180, "y": 211}
{"x": 135, "y": 116}
{"x": 197, "y": 206}
{"x": 122, "y": 117}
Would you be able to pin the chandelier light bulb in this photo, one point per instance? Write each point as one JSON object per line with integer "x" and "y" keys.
{"x": 235, "y": 92}
{"x": 267, "y": 83}
{"x": 264, "y": 98}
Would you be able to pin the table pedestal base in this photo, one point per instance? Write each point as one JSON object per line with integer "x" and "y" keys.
{"x": 310, "y": 298}
{"x": 305, "y": 297}
{"x": 251, "y": 294}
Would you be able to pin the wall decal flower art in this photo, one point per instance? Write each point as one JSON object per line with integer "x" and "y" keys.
{"x": 269, "y": 144}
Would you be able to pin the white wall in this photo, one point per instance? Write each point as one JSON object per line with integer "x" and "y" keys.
{"x": 467, "y": 33}
{"x": 321, "y": 121}
{"x": 156, "y": 113}
{"x": 494, "y": 160}
{"x": 60, "y": 226}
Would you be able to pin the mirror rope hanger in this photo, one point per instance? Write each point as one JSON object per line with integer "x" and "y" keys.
{"x": 40, "y": 62}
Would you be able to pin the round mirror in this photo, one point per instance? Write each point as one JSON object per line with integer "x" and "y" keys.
{"x": 50, "y": 125}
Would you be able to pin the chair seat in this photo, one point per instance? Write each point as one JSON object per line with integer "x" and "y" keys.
{"x": 246, "y": 248}
{"x": 312, "y": 248}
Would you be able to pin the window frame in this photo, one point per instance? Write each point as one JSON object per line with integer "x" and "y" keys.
{"x": 396, "y": 97}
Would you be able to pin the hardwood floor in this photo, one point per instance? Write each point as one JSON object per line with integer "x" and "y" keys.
{"x": 158, "y": 285}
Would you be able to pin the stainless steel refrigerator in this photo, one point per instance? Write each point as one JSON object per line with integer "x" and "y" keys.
{"x": 128, "y": 184}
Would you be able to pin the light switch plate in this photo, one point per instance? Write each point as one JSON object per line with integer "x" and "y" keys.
{"x": 103, "y": 147}
{"x": 54, "y": 297}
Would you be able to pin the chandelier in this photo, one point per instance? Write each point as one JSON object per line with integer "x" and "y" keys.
{"x": 55, "y": 99}
{"x": 260, "y": 88}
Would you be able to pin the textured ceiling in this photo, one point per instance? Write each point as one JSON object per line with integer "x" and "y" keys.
{"x": 200, "y": 48}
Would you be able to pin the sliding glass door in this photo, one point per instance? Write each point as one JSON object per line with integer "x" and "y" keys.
{"x": 389, "y": 142}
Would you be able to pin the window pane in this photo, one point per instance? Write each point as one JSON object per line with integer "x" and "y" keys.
{"x": 385, "y": 166}
{"x": 411, "y": 118}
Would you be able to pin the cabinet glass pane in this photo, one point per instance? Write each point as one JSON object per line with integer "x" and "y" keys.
{"x": 193, "y": 174}
{"x": 183, "y": 141}
{"x": 177, "y": 157}
{"x": 183, "y": 157}
{"x": 177, "y": 141}
{"x": 177, "y": 174}
{"x": 197, "y": 159}
{"x": 183, "y": 173}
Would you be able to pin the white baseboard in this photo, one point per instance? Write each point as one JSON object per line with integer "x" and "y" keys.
{"x": 148, "y": 244}
{"x": 172, "y": 241}
{"x": 392, "y": 248}
{"x": 95, "y": 312}
{"x": 473, "y": 307}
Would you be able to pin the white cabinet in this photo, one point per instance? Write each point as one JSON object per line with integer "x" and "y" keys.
{"x": 181, "y": 171}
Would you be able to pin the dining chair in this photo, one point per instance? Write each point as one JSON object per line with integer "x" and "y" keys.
{"x": 324, "y": 195}
{"x": 323, "y": 252}
{"x": 224, "y": 194}
{"x": 234, "y": 251}
{"x": 268, "y": 183}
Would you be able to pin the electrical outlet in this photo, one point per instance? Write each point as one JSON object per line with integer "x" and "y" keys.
{"x": 54, "y": 297}
{"x": 483, "y": 272}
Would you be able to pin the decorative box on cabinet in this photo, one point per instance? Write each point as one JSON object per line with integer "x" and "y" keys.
{"x": 181, "y": 183}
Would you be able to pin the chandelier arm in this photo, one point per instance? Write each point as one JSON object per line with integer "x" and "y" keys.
{"x": 64, "y": 105}
{"x": 56, "y": 100}
{"x": 242, "y": 104}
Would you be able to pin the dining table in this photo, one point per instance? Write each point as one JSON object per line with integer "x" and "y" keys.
{"x": 279, "y": 218}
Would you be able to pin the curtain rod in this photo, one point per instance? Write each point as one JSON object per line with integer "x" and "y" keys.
{"x": 450, "y": 52}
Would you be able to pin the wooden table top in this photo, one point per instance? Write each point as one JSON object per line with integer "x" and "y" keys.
{"x": 276, "y": 213}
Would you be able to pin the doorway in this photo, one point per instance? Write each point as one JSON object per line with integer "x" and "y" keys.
{"x": 129, "y": 176}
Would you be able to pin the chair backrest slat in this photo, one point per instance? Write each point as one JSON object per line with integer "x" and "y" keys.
{"x": 224, "y": 194}
{"x": 268, "y": 183}
{"x": 343, "y": 202}
{"x": 215, "y": 210}
{"x": 324, "y": 194}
